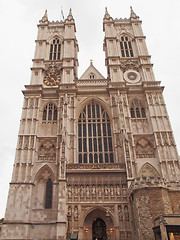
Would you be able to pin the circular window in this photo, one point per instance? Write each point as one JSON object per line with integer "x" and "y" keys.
{"x": 132, "y": 76}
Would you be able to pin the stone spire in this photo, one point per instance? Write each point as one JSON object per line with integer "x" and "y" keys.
{"x": 133, "y": 14}
{"x": 44, "y": 18}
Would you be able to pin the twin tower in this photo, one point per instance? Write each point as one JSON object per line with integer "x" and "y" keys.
{"x": 96, "y": 157}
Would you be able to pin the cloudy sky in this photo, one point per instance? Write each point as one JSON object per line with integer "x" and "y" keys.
{"x": 18, "y": 20}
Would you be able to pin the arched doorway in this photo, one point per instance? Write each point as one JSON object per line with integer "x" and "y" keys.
{"x": 99, "y": 230}
{"x": 97, "y": 225}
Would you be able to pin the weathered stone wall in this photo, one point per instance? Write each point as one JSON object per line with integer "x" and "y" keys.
{"x": 147, "y": 204}
{"x": 174, "y": 197}
{"x": 30, "y": 230}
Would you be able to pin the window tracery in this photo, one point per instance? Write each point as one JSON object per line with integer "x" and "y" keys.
{"x": 50, "y": 113}
{"x": 43, "y": 191}
{"x": 94, "y": 135}
{"x": 137, "y": 110}
{"x": 55, "y": 50}
{"x": 126, "y": 47}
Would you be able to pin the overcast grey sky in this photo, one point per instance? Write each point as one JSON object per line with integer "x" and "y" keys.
{"x": 18, "y": 19}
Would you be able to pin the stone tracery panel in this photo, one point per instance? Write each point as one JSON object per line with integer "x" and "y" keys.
{"x": 144, "y": 148}
{"x": 47, "y": 151}
{"x": 147, "y": 170}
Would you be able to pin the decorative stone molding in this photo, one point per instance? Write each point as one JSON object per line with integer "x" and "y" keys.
{"x": 95, "y": 166}
{"x": 129, "y": 64}
{"x": 155, "y": 182}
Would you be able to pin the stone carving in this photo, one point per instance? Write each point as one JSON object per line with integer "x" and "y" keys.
{"x": 81, "y": 191}
{"x": 144, "y": 214}
{"x": 93, "y": 190}
{"x": 129, "y": 168}
{"x": 124, "y": 192}
{"x": 117, "y": 190}
{"x": 113, "y": 101}
{"x": 53, "y": 68}
{"x": 106, "y": 190}
{"x": 76, "y": 213}
{"x": 127, "y": 148}
{"x": 76, "y": 191}
{"x": 126, "y": 217}
{"x": 62, "y": 168}
{"x": 112, "y": 191}
{"x": 129, "y": 64}
{"x": 100, "y": 191}
{"x": 69, "y": 192}
{"x": 87, "y": 193}
{"x": 95, "y": 166}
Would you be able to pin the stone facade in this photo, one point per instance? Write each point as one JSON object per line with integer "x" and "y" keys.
{"x": 92, "y": 150}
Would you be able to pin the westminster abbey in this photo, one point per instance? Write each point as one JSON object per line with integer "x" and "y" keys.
{"x": 96, "y": 157}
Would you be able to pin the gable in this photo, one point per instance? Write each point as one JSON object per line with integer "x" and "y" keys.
{"x": 92, "y": 73}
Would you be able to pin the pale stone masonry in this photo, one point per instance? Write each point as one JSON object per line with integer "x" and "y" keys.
{"x": 96, "y": 157}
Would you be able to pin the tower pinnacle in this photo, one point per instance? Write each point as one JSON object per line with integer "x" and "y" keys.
{"x": 133, "y": 14}
{"x": 106, "y": 16}
{"x": 45, "y": 17}
{"x": 70, "y": 17}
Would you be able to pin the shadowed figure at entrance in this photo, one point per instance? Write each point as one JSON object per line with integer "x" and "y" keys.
{"x": 99, "y": 230}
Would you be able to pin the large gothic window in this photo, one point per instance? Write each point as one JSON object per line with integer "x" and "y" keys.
{"x": 94, "y": 135}
{"x": 50, "y": 113}
{"x": 55, "y": 49}
{"x": 137, "y": 110}
{"x": 126, "y": 47}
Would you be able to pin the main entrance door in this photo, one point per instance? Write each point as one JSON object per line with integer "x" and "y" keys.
{"x": 99, "y": 230}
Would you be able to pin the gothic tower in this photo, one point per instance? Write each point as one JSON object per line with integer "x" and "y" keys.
{"x": 96, "y": 157}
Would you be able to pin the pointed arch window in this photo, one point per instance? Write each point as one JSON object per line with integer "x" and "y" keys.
{"x": 94, "y": 135}
{"x": 126, "y": 47}
{"x": 137, "y": 110}
{"x": 48, "y": 196}
{"x": 55, "y": 50}
{"x": 50, "y": 113}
